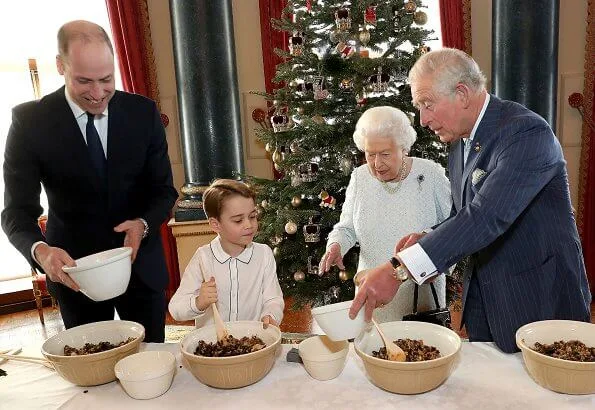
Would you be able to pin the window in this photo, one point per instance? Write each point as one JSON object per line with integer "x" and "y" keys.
{"x": 29, "y": 29}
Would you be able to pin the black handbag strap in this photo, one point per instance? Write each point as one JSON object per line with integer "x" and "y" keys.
{"x": 415, "y": 296}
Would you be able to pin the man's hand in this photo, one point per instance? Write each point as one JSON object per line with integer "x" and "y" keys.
{"x": 407, "y": 241}
{"x": 134, "y": 234}
{"x": 207, "y": 295}
{"x": 332, "y": 257}
{"x": 376, "y": 288}
{"x": 52, "y": 260}
{"x": 268, "y": 320}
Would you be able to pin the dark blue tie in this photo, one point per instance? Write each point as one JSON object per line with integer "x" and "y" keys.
{"x": 95, "y": 148}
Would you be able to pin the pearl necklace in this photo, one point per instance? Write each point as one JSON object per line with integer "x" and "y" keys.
{"x": 394, "y": 188}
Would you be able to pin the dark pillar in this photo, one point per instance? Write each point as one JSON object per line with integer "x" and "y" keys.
{"x": 208, "y": 97}
{"x": 525, "y": 54}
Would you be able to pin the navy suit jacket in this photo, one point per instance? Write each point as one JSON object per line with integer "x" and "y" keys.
{"x": 516, "y": 223}
{"x": 45, "y": 145}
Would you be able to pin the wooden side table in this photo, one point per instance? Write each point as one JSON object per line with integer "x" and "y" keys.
{"x": 190, "y": 235}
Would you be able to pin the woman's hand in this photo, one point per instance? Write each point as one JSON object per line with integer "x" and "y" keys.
{"x": 207, "y": 295}
{"x": 407, "y": 241}
{"x": 331, "y": 258}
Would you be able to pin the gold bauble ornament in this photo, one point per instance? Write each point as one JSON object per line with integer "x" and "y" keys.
{"x": 277, "y": 167}
{"x": 410, "y": 6}
{"x": 299, "y": 276}
{"x": 264, "y": 204}
{"x": 291, "y": 227}
{"x": 276, "y": 251}
{"x": 420, "y": 18}
{"x": 343, "y": 275}
{"x": 296, "y": 201}
{"x": 318, "y": 119}
{"x": 364, "y": 37}
{"x": 268, "y": 147}
{"x": 300, "y": 110}
{"x": 277, "y": 157}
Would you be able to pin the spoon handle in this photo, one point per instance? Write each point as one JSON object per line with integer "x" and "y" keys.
{"x": 219, "y": 325}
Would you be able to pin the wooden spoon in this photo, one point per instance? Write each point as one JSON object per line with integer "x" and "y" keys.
{"x": 394, "y": 352}
{"x": 28, "y": 359}
{"x": 222, "y": 333}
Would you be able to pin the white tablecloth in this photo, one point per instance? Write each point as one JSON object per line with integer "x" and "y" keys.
{"x": 484, "y": 378}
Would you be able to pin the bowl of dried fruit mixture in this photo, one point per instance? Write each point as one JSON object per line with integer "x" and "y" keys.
{"x": 243, "y": 358}
{"x": 559, "y": 354}
{"x": 430, "y": 352}
{"x": 86, "y": 355}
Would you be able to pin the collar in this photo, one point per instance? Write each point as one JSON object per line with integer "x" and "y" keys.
{"x": 479, "y": 118}
{"x": 76, "y": 110}
{"x": 223, "y": 256}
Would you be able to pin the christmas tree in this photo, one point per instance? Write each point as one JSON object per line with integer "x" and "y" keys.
{"x": 343, "y": 58}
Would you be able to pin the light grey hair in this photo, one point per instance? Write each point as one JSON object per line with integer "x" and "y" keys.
{"x": 448, "y": 67}
{"x": 384, "y": 122}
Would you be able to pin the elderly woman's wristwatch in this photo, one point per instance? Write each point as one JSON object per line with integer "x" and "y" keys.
{"x": 398, "y": 272}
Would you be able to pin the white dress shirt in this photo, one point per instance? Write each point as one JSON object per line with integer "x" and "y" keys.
{"x": 247, "y": 285}
{"x": 415, "y": 258}
{"x": 100, "y": 121}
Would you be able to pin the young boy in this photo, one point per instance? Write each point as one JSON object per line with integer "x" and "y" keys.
{"x": 240, "y": 274}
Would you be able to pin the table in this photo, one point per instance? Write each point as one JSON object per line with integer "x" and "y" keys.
{"x": 484, "y": 378}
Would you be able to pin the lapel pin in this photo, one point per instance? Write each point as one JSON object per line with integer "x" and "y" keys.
{"x": 477, "y": 147}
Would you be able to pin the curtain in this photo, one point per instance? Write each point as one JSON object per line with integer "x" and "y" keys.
{"x": 455, "y": 24}
{"x": 586, "y": 201}
{"x": 129, "y": 21}
{"x": 271, "y": 39}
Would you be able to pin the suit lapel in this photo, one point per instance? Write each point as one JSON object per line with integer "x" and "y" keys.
{"x": 455, "y": 173}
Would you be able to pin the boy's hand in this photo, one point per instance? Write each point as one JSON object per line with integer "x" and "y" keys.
{"x": 207, "y": 295}
{"x": 268, "y": 320}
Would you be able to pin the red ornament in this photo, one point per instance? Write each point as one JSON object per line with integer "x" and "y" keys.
{"x": 576, "y": 100}
{"x": 164, "y": 120}
{"x": 370, "y": 15}
{"x": 258, "y": 115}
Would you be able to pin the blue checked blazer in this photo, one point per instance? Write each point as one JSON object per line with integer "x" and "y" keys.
{"x": 515, "y": 221}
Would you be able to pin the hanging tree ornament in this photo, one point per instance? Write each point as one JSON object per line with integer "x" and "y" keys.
{"x": 277, "y": 157}
{"x": 291, "y": 227}
{"x": 294, "y": 146}
{"x": 420, "y": 18}
{"x": 276, "y": 240}
{"x": 296, "y": 201}
{"x": 346, "y": 165}
{"x": 319, "y": 88}
{"x": 276, "y": 251}
{"x": 297, "y": 43}
{"x": 364, "y": 37}
{"x": 268, "y": 147}
{"x": 280, "y": 120}
{"x": 379, "y": 81}
{"x": 318, "y": 119}
{"x": 345, "y": 50}
{"x": 343, "y": 19}
{"x": 299, "y": 276}
{"x": 308, "y": 172}
{"x": 370, "y": 15}
{"x": 410, "y": 6}
{"x": 311, "y": 231}
{"x": 313, "y": 268}
{"x": 343, "y": 275}
{"x": 327, "y": 201}
{"x": 424, "y": 49}
{"x": 346, "y": 85}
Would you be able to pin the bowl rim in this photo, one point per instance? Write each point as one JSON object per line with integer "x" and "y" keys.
{"x": 325, "y": 357}
{"x": 234, "y": 359}
{"x": 125, "y": 251}
{"x": 138, "y": 339}
{"x": 168, "y": 367}
{"x": 333, "y": 307}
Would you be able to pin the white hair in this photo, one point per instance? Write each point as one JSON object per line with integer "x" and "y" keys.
{"x": 384, "y": 122}
{"x": 448, "y": 67}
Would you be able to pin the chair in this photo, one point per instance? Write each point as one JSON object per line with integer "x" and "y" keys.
{"x": 38, "y": 279}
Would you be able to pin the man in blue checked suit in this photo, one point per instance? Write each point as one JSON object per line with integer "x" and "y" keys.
{"x": 511, "y": 213}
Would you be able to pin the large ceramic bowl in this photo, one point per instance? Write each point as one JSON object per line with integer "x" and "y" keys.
{"x": 563, "y": 376}
{"x": 96, "y": 368}
{"x": 234, "y": 371}
{"x": 409, "y": 377}
{"x": 335, "y": 322}
{"x": 103, "y": 275}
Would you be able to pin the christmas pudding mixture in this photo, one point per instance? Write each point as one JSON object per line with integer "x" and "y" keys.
{"x": 229, "y": 346}
{"x": 415, "y": 350}
{"x": 572, "y": 350}
{"x": 89, "y": 348}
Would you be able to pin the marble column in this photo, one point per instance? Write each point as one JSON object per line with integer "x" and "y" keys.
{"x": 525, "y": 54}
{"x": 208, "y": 98}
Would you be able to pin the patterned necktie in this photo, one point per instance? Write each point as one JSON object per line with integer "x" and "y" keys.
{"x": 95, "y": 148}
{"x": 467, "y": 148}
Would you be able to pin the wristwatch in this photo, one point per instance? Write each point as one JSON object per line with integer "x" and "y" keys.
{"x": 398, "y": 272}
{"x": 146, "y": 225}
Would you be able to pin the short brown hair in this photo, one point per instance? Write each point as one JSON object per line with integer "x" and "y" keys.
{"x": 221, "y": 190}
{"x": 81, "y": 30}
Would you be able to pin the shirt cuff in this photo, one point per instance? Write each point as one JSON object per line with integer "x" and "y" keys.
{"x": 419, "y": 264}
{"x": 193, "y": 306}
{"x": 35, "y": 245}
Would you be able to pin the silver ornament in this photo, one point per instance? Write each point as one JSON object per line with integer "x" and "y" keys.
{"x": 299, "y": 276}
{"x": 291, "y": 227}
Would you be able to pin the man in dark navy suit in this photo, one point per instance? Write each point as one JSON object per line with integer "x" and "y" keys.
{"x": 102, "y": 158}
{"x": 511, "y": 213}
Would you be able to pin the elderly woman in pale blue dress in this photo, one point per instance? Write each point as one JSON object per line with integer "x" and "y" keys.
{"x": 388, "y": 197}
